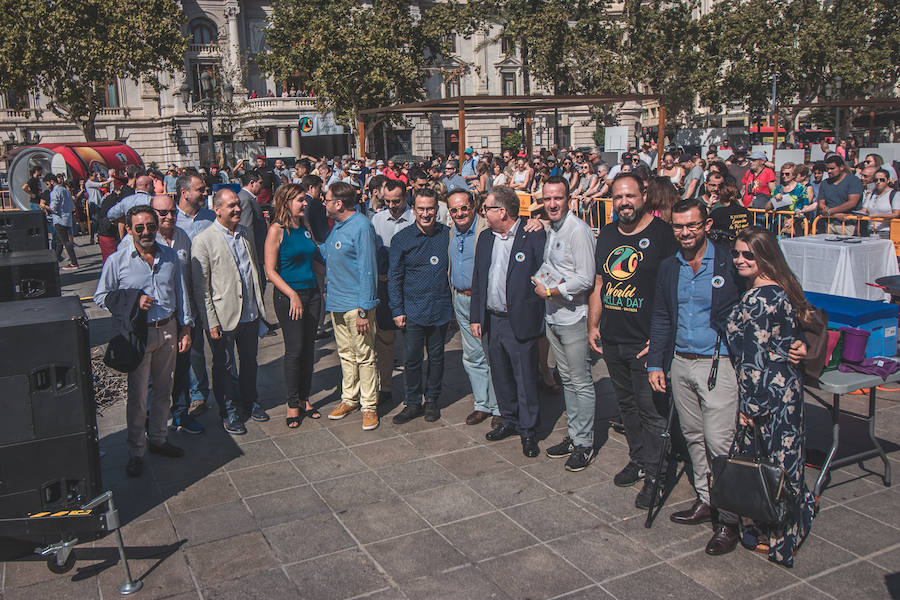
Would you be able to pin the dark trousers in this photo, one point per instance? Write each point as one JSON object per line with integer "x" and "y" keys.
{"x": 514, "y": 373}
{"x": 643, "y": 411}
{"x": 246, "y": 339}
{"x": 64, "y": 240}
{"x": 181, "y": 385}
{"x": 299, "y": 343}
{"x": 418, "y": 338}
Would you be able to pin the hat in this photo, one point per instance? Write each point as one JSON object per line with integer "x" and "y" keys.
{"x": 354, "y": 170}
{"x": 213, "y": 166}
{"x": 262, "y": 156}
{"x": 757, "y": 156}
{"x": 740, "y": 149}
{"x": 551, "y": 159}
{"x": 469, "y": 150}
{"x": 379, "y": 163}
{"x": 329, "y": 163}
{"x": 626, "y": 156}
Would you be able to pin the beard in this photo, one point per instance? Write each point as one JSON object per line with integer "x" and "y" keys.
{"x": 635, "y": 216}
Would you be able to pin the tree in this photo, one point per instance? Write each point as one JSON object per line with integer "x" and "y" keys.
{"x": 357, "y": 56}
{"x": 69, "y": 51}
{"x": 808, "y": 43}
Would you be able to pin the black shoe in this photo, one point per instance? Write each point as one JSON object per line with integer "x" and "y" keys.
{"x": 500, "y": 432}
{"x": 258, "y": 414}
{"x": 409, "y": 412}
{"x": 135, "y": 466}
{"x": 699, "y": 512}
{"x": 580, "y": 459}
{"x": 234, "y": 425}
{"x": 628, "y": 476}
{"x": 530, "y": 447}
{"x": 724, "y": 540}
{"x": 432, "y": 412}
{"x": 166, "y": 449}
{"x": 646, "y": 494}
{"x": 562, "y": 449}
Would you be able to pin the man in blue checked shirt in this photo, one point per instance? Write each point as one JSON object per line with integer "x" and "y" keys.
{"x": 155, "y": 270}
{"x": 419, "y": 292}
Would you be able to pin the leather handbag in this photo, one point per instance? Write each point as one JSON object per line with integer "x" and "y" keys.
{"x": 751, "y": 486}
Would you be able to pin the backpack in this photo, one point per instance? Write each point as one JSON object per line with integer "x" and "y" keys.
{"x": 815, "y": 330}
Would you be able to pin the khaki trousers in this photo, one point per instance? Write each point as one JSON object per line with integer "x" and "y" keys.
{"x": 357, "y": 353}
{"x": 159, "y": 364}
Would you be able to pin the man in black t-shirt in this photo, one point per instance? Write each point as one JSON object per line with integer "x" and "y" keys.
{"x": 33, "y": 188}
{"x": 628, "y": 255}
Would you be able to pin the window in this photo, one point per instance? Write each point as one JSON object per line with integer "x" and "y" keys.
{"x": 507, "y": 46}
{"x": 451, "y": 39}
{"x": 197, "y": 69}
{"x": 203, "y": 32}
{"x": 110, "y": 94}
{"x": 15, "y": 99}
{"x": 451, "y": 88}
{"x": 509, "y": 84}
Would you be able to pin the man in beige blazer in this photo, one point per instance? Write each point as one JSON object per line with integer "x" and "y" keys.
{"x": 227, "y": 291}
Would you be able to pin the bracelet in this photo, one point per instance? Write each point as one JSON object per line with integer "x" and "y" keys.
{"x": 548, "y": 292}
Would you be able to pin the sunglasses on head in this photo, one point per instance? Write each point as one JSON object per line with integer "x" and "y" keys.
{"x": 151, "y": 228}
{"x": 745, "y": 253}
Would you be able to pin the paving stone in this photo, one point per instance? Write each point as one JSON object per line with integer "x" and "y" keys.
{"x": 209, "y": 491}
{"x": 888, "y": 560}
{"x": 592, "y": 593}
{"x": 414, "y": 476}
{"x": 161, "y": 577}
{"x": 882, "y": 506}
{"x": 660, "y": 581}
{"x": 817, "y": 555}
{"x": 379, "y": 520}
{"x": 353, "y": 490}
{"x": 61, "y": 588}
{"x": 308, "y": 537}
{"x": 860, "y": 580}
{"x": 473, "y": 462}
{"x": 552, "y": 517}
{"x": 416, "y": 554}
{"x": 305, "y": 443}
{"x": 213, "y": 523}
{"x": 853, "y": 531}
{"x": 328, "y": 465}
{"x": 383, "y": 453}
{"x": 440, "y": 441}
{"x": 286, "y": 505}
{"x": 717, "y": 573}
{"x": 448, "y": 503}
{"x": 664, "y": 533}
{"x": 267, "y": 478}
{"x": 548, "y": 575}
{"x": 802, "y": 591}
{"x": 508, "y": 488}
{"x": 844, "y": 487}
{"x": 467, "y": 583}
{"x": 553, "y": 473}
{"x": 340, "y": 575}
{"x": 618, "y": 502}
{"x": 257, "y": 586}
{"x": 230, "y": 558}
{"x": 255, "y": 453}
{"x": 487, "y": 536}
{"x": 603, "y": 552}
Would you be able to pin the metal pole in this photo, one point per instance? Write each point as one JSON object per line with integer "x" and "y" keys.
{"x": 661, "y": 137}
{"x": 837, "y": 126}
{"x": 462, "y": 130}
{"x": 209, "y": 124}
{"x": 775, "y": 136}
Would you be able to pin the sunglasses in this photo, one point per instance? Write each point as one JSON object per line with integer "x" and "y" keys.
{"x": 165, "y": 212}
{"x": 786, "y": 174}
{"x": 745, "y": 253}
{"x": 151, "y": 228}
{"x": 459, "y": 211}
{"x": 881, "y": 180}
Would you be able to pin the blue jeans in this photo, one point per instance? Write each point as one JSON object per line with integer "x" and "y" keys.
{"x": 474, "y": 359}
{"x": 573, "y": 360}
{"x": 199, "y": 378}
{"x": 418, "y": 337}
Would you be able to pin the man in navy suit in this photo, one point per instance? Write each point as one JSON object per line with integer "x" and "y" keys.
{"x": 506, "y": 257}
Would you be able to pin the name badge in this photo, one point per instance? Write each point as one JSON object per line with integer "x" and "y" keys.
{"x": 337, "y": 245}
{"x": 644, "y": 243}
{"x": 718, "y": 281}
{"x": 520, "y": 257}
{"x": 308, "y": 235}
{"x": 434, "y": 260}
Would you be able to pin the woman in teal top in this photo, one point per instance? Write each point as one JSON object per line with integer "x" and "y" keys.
{"x": 292, "y": 261}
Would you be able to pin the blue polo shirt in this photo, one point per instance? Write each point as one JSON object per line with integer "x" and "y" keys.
{"x": 693, "y": 333}
{"x": 350, "y": 270}
{"x": 417, "y": 279}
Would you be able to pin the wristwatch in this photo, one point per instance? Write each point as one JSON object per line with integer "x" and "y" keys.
{"x": 361, "y": 313}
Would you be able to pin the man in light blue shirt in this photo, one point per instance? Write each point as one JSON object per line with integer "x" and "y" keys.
{"x": 351, "y": 277}
{"x": 62, "y": 211}
{"x": 143, "y": 193}
{"x": 467, "y": 170}
{"x": 170, "y": 179}
{"x": 155, "y": 270}
{"x": 452, "y": 179}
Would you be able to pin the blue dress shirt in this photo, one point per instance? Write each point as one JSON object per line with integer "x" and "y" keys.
{"x": 235, "y": 241}
{"x": 350, "y": 270}
{"x": 417, "y": 280}
{"x": 128, "y": 202}
{"x": 462, "y": 257}
{"x": 62, "y": 206}
{"x": 693, "y": 333}
{"x": 164, "y": 281}
{"x": 194, "y": 225}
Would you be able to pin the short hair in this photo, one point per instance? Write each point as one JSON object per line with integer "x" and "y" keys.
{"x": 312, "y": 181}
{"x": 132, "y": 171}
{"x": 392, "y": 184}
{"x": 559, "y": 179}
{"x": 454, "y": 191}
{"x": 136, "y": 210}
{"x": 416, "y": 174}
{"x": 507, "y": 198}
{"x": 834, "y": 159}
{"x": 884, "y": 172}
{"x": 184, "y": 182}
{"x": 715, "y": 174}
{"x": 789, "y": 166}
{"x": 36, "y": 169}
{"x": 426, "y": 193}
{"x": 452, "y": 163}
{"x": 801, "y": 170}
{"x": 249, "y": 177}
{"x": 217, "y": 197}
{"x": 683, "y": 206}
{"x": 632, "y": 176}
{"x": 344, "y": 192}
{"x": 376, "y": 182}
{"x": 819, "y": 165}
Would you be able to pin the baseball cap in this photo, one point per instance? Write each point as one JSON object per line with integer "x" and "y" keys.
{"x": 379, "y": 163}
{"x": 469, "y": 150}
{"x": 757, "y": 156}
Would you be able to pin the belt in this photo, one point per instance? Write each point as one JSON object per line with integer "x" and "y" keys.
{"x": 464, "y": 292}
{"x": 692, "y": 356}
{"x": 161, "y": 322}
{"x": 497, "y": 313}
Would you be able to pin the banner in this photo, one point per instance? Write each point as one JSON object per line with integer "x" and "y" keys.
{"x": 317, "y": 124}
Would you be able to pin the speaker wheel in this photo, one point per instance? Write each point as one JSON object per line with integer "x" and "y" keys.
{"x": 61, "y": 568}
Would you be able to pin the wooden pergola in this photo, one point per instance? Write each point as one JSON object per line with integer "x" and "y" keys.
{"x": 519, "y": 104}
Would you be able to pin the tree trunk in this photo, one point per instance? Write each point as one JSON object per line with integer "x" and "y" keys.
{"x": 526, "y": 79}
{"x": 88, "y": 129}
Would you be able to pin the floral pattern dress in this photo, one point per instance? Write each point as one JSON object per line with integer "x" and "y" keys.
{"x": 759, "y": 334}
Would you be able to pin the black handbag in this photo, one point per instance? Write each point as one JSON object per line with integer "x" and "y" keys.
{"x": 751, "y": 486}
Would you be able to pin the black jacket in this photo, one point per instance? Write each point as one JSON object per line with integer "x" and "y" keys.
{"x": 664, "y": 323}
{"x": 126, "y": 349}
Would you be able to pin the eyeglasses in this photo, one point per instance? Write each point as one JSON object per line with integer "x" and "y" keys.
{"x": 151, "y": 228}
{"x": 745, "y": 253}
{"x": 696, "y": 226}
{"x": 459, "y": 211}
{"x": 165, "y": 212}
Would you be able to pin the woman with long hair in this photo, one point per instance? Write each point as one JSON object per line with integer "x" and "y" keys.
{"x": 292, "y": 260}
{"x": 661, "y": 197}
{"x": 759, "y": 334}
{"x": 485, "y": 180}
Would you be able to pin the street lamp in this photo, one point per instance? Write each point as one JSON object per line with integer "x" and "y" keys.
{"x": 207, "y": 102}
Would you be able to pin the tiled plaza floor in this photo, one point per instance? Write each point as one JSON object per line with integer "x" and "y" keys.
{"x": 432, "y": 510}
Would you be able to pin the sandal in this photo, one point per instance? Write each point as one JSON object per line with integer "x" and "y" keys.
{"x": 312, "y": 413}
{"x": 293, "y": 422}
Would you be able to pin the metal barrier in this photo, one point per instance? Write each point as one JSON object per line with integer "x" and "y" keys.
{"x": 780, "y": 222}
{"x": 849, "y": 224}
{"x": 6, "y": 201}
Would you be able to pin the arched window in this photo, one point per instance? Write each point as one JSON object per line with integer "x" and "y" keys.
{"x": 203, "y": 31}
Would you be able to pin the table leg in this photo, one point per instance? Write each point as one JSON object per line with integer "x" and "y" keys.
{"x": 835, "y": 410}
{"x": 871, "y": 426}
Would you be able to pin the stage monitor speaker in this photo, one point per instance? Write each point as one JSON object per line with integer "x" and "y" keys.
{"x": 49, "y": 457}
{"x": 29, "y": 274}
{"x": 23, "y": 230}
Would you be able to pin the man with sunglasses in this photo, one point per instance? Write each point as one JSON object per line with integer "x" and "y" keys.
{"x": 155, "y": 270}
{"x": 452, "y": 179}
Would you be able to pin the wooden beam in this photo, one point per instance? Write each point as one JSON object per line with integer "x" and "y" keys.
{"x": 775, "y": 134}
{"x": 462, "y": 130}
{"x": 529, "y": 139}
{"x": 660, "y": 138}
{"x": 361, "y": 129}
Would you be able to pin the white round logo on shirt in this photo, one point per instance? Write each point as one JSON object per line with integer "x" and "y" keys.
{"x": 434, "y": 260}
{"x": 520, "y": 257}
{"x": 309, "y": 236}
{"x": 644, "y": 243}
{"x": 182, "y": 254}
{"x": 718, "y": 281}
{"x": 337, "y": 245}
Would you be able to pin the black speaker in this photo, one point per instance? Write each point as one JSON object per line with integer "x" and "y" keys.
{"x": 49, "y": 457}
{"x": 29, "y": 274}
{"x": 23, "y": 230}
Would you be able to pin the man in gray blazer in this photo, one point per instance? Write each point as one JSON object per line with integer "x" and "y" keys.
{"x": 228, "y": 293}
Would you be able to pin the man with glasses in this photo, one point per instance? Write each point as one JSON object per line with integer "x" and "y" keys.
{"x": 387, "y": 223}
{"x": 506, "y": 310}
{"x": 464, "y": 232}
{"x": 154, "y": 271}
{"x": 452, "y": 179}
{"x": 419, "y": 294}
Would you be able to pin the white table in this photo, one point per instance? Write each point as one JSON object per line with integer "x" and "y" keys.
{"x": 839, "y": 268}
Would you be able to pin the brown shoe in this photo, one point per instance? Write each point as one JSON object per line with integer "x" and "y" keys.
{"x": 343, "y": 409}
{"x": 370, "y": 420}
{"x": 476, "y": 417}
{"x": 496, "y": 421}
{"x": 699, "y": 512}
{"x": 198, "y": 407}
{"x": 723, "y": 541}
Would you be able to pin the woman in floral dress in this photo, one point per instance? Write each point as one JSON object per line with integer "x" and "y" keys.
{"x": 759, "y": 334}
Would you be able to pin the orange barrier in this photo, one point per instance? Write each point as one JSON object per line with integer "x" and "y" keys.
{"x": 6, "y": 201}
{"x": 849, "y": 224}
{"x": 780, "y": 222}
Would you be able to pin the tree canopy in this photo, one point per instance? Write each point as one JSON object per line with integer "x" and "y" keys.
{"x": 68, "y": 51}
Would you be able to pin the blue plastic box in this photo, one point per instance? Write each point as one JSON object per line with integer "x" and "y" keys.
{"x": 878, "y": 318}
